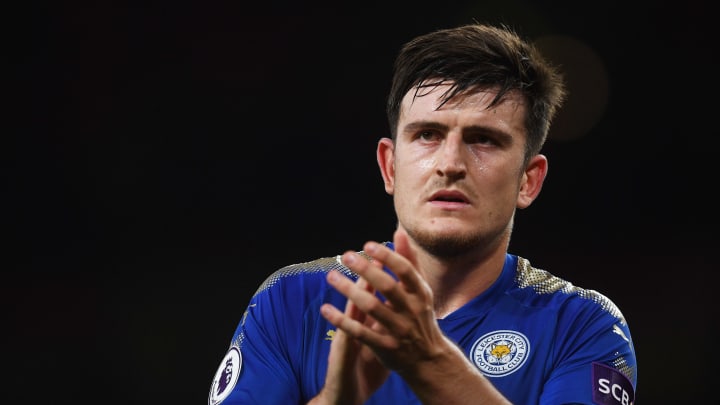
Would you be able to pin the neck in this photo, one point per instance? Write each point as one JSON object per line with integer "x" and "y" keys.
{"x": 456, "y": 281}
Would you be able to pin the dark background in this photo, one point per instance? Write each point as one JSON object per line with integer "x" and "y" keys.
{"x": 168, "y": 156}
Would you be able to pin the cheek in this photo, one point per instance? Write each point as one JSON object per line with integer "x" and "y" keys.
{"x": 412, "y": 169}
{"x": 500, "y": 184}
{"x": 406, "y": 185}
{"x": 426, "y": 164}
{"x": 411, "y": 175}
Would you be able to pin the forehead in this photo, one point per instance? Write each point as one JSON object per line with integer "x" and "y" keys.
{"x": 432, "y": 99}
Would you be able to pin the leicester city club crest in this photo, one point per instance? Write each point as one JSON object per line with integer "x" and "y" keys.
{"x": 500, "y": 353}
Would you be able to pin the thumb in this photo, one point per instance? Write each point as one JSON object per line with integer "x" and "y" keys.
{"x": 401, "y": 241}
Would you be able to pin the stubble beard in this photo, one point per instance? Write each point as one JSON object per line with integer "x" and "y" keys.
{"x": 446, "y": 245}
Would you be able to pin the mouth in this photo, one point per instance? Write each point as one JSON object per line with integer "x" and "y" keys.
{"x": 449, "y": 197}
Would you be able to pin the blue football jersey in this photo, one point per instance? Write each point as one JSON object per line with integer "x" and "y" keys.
{"x": 538, "y": 338}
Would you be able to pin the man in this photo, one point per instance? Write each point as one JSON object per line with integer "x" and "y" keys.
{"x": 443, "y": 314}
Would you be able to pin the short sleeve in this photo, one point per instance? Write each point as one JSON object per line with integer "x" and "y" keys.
{"x": 597, "y": 363}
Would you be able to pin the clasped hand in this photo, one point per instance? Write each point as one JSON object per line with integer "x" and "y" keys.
{"x": 375, "y": 336}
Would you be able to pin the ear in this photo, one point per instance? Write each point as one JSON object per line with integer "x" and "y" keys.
{"x": 532, "y": 181}
{"x": 386, "y": 161}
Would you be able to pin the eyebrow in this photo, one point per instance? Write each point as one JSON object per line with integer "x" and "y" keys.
{"x": 418, "y": 125}
{"x": 472, "y": 129}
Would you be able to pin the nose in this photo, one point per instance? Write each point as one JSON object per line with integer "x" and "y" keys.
{"x": 451, "y": 159}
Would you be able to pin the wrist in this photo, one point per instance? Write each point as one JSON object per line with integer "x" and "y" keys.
{"x": 441, "y": 363}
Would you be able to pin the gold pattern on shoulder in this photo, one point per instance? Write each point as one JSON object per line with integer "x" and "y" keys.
{"x": 545, "y": 283}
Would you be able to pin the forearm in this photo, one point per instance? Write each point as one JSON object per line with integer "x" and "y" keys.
{"x": 333, "y": 397}
{"x": 450, "y": 379}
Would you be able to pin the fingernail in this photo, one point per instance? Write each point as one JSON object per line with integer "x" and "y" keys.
{"x": 349, "y": 258}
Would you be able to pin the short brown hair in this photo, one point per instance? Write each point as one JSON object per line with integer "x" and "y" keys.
{"x": 480, "y": 56}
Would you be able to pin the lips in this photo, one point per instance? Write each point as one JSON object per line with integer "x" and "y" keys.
{"x": 449, "y": 196}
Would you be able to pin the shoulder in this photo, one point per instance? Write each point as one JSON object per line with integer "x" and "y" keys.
{"x": 304, "y": 276}
{"x": 539, "y": 287}
{"x": 307, "y": 274}
{"x": 587, "y": 324}
{"x": 284, "y": 298}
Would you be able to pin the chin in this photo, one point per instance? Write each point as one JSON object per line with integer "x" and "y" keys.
{"x": 446, "y": 243}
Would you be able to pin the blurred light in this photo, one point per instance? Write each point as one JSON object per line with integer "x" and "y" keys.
{"x": 587, "y": 85}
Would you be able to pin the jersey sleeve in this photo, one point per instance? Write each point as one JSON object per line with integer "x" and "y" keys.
{"x": 258, "y": 367}
{"x": 595, "y": 361}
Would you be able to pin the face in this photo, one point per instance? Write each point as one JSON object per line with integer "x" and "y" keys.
{"x": 457, "y": 172}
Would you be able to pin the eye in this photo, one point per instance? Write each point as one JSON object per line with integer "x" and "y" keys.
{"x": 428, "y": 135}
{"x": 481, "y": 139}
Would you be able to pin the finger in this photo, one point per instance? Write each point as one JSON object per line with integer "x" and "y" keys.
{"x": 342, "y": 350}
{"x": 389, "y": 314}
{"x": 364, "y": 307}
{"x": 371, "y": 271}
{"x": 381, "y": 280}
{"x": 401, "y": 241}
{"x": 361, "y": 294}
{"x": 355, "y": 329}
{"x": 353, "y": 323}
{"x": 351, "y": 309}
{"x": 400, "y": 265}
